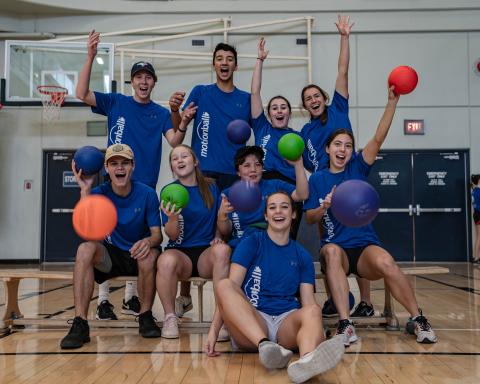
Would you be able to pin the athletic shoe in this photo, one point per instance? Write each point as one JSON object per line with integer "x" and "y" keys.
{"x": 223, "y": 334}
{"x": 170, "y": 327}
{"x": 326, "y": 356}
{"x": 78, "y": 335}
{"x": 423, "y": 330}
{"x": 329, "y": 309}
{"x": 183, "y": 304}
{"x": 147, "y": 327}
{"x": 346, "y": 329}
{"x": 105, "y": 311}
{"x": 273, "y": 356}
{"x": 131, "y": 307}
{"x": 363, "y": 310}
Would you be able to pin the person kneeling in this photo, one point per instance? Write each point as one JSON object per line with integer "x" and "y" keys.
{"x": 130, "y": 250}
{"x": 258, "y": 301}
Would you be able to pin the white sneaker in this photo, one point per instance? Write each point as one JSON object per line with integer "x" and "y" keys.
{"x": 423, "y": 330}
{"x": 326, "y": 356}
{"x": 273, "y": 355}
{"x": 346, "y": 329}
{"x": 183, "y": 304}
{"x": 223, "y": 334}
{"x": 170, "y": 327}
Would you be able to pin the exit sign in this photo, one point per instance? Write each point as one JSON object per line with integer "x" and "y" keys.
{"x": 413, "y": 127}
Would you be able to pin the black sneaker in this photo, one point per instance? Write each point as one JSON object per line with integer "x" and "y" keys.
{"x": 105, "y": 311}
{"x": 131, "y": 307}
{"x": 78, "y": 335}
{"x": 363, "y": 310}
{"x": 147, "y": 327}
{"x": 329, "y": 309}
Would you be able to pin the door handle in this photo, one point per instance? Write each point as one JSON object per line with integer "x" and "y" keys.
{"x": 62, "y": 210}
{"x": 418, "y": 209}
{"x": 437, "y": 210}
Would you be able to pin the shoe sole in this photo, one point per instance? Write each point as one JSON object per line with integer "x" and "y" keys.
{"x": 274, "y": 356}
{"x": 189, "y": 307}
{"x": 129, "y": 312}
{"x": 326, "y": 356}
{"x": 109, "y": 318}
{"x": 170, "y": 337}
{"x": 87, "y": 340}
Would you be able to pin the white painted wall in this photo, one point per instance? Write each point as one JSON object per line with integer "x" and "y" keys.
{"x": 441, "y": 44}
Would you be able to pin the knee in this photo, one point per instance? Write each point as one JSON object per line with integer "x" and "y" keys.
{"x": 166, "y": 264}
{"x": 221, "y": 288}
{"x": 221, "y": 254}
{"x": 147, "y": 264}
{"x": 387, "y": 266}
{"x": 312, "y": 311}
{"x": 86, "y": 252}
{"x": 331, "y": 256}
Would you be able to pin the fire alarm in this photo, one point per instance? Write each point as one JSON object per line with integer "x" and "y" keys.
{"x": 476, "y": 67}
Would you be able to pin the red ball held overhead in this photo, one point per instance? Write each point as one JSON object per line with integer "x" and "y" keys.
{"x": 404, "y": 78}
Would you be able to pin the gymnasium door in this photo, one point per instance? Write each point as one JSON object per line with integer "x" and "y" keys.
{"x": 60, "y": 194}
{"x": 425, "y": 205}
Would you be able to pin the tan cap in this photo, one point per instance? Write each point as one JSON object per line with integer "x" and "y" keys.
{"x": 122, "y": 150}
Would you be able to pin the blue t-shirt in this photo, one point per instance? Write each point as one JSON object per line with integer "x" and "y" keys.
{"x": 197, "y": 223}
{"x": 138, "y": 125}
{"x": 274, "y": 272}
{"x": 320, "y": 185}
{"x": 316, "y": 135}
{"x": 242, "y": 222}
{"x": 216, "y": 109}
{"x": 476, "y": 198}
{"x": 137, "y": 213}
{"x": 267, "y": 138}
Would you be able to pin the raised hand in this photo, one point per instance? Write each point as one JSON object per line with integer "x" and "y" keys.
{"x": 176, "y": 100}
{"x": 84, "y": 182}
{"x": 188, "y": 114}
{"x": 93, "y": 40}
{"x": 169, "y": 209}
{"x": 262, "y": 53}
{"x": 392, "y": 96}
{"x": 225, "y": 207}
{"x": 327, "y": 202}
{"x": 343, "y": 25}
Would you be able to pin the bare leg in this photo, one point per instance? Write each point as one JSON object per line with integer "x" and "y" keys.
{"x": 88, "y": 254}
{"x": 185, "y": 288}
{"x": 336, "y": 267}
{"x": 376, "y": 263}
{"x": 214, "y": 262}
{"x": 172, "y": 265}
{"x": 146, "y": 280}
{"x": 244, "y": 323}
{"x": 364, "y": 287}
{"x": 476, "y": 252}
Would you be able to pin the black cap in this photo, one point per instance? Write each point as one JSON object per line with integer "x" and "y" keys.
{"x": 143, "y": 66}
{"x": 243, "y": 152}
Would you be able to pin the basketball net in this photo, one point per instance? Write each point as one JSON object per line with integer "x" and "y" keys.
{"x": 53, "y": 97}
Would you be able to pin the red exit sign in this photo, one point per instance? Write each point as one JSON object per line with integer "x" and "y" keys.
{"x": 413, "y": 127}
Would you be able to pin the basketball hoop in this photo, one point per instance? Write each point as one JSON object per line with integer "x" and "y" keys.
{"x": 53, "y": 97}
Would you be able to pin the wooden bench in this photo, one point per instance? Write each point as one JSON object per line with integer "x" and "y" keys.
{"x": 13, "y": 316}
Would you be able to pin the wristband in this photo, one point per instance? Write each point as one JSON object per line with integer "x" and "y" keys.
{"x": 259, "y": 58}
{"x": 182, "y": 130}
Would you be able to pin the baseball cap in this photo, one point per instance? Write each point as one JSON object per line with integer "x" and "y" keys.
{"x": 122, "y": 150}
{"x": 143, "y": 66}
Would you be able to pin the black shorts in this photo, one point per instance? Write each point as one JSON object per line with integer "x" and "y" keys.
{"x": 353, "y": 255}
{"x": 223, "y": 180}
{"x": 122, "y": 264}
{"x": 193, "y": 253}
{"x": 476, "y": 217}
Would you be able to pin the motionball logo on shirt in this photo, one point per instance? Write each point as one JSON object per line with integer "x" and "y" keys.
{"x": 202, "y": 133}
{"x": 328, "y": 223}
{"x": 253, "y": 286}
{"x": 312, "y": 154}
{"x": 263, "y": 145}
{"x": 181, "y": 227}
{"x": 116, "y": 133}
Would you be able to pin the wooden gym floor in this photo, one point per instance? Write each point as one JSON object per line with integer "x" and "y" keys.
{"x": 451, "y": 303}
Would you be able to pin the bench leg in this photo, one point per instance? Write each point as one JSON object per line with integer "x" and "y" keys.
{"x": 199, "y": 285}
{"x": 11, "y": 305}
{"x": 389, "y": 312}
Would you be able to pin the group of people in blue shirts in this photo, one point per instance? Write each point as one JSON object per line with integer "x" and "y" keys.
{"x": 263, "y": 279}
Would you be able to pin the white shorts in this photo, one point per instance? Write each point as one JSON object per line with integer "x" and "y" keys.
{"x": 273, "y": 324}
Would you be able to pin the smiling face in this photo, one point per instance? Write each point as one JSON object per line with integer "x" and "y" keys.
{"x": 340, "y": 151}
{"x": 251, "y": 169}
{"x": 120, "y": 170}
{"x": 279, "y": 212}
{"x": 224, "y": 65}
{"x": 279, "y": 112}
{"x": 142, "y": 84}
{"x": 182, "y": 162}
{"x": 314, "y": 101}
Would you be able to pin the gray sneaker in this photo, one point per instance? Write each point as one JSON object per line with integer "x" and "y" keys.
{"x": 183, "y": 304}
{"x": 170, "y": 327}
{"x": 273, "y": 356}
{"x": 326, "y": 356}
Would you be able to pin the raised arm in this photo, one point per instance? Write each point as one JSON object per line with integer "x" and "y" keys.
{"x": 175, "y": 102}
{"x": 315, "y": 215}
{"x": 344, "y": 27}
{"x": 256, "y": 99}
{"x": 84, "y": 182}
{"x": 224, "y": 224}
{"x": 301, "y": 183}
{"x": 373, "y": 146}
{"x": 82, "y": 91}
{"x": 175, "y": 136}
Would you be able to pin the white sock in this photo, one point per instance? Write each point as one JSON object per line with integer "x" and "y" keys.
{"x": 103, "y": 291}
{"x": 130, "y": 290}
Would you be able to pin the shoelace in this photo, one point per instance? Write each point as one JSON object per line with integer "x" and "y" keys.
{"x": 170, "y": 321}
{"x": 423, "y": 323}
{"x": 342, "y": 326}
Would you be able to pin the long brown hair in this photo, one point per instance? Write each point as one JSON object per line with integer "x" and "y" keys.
{"x": 204, "y": 183}
{"x": 324, "y": 116}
